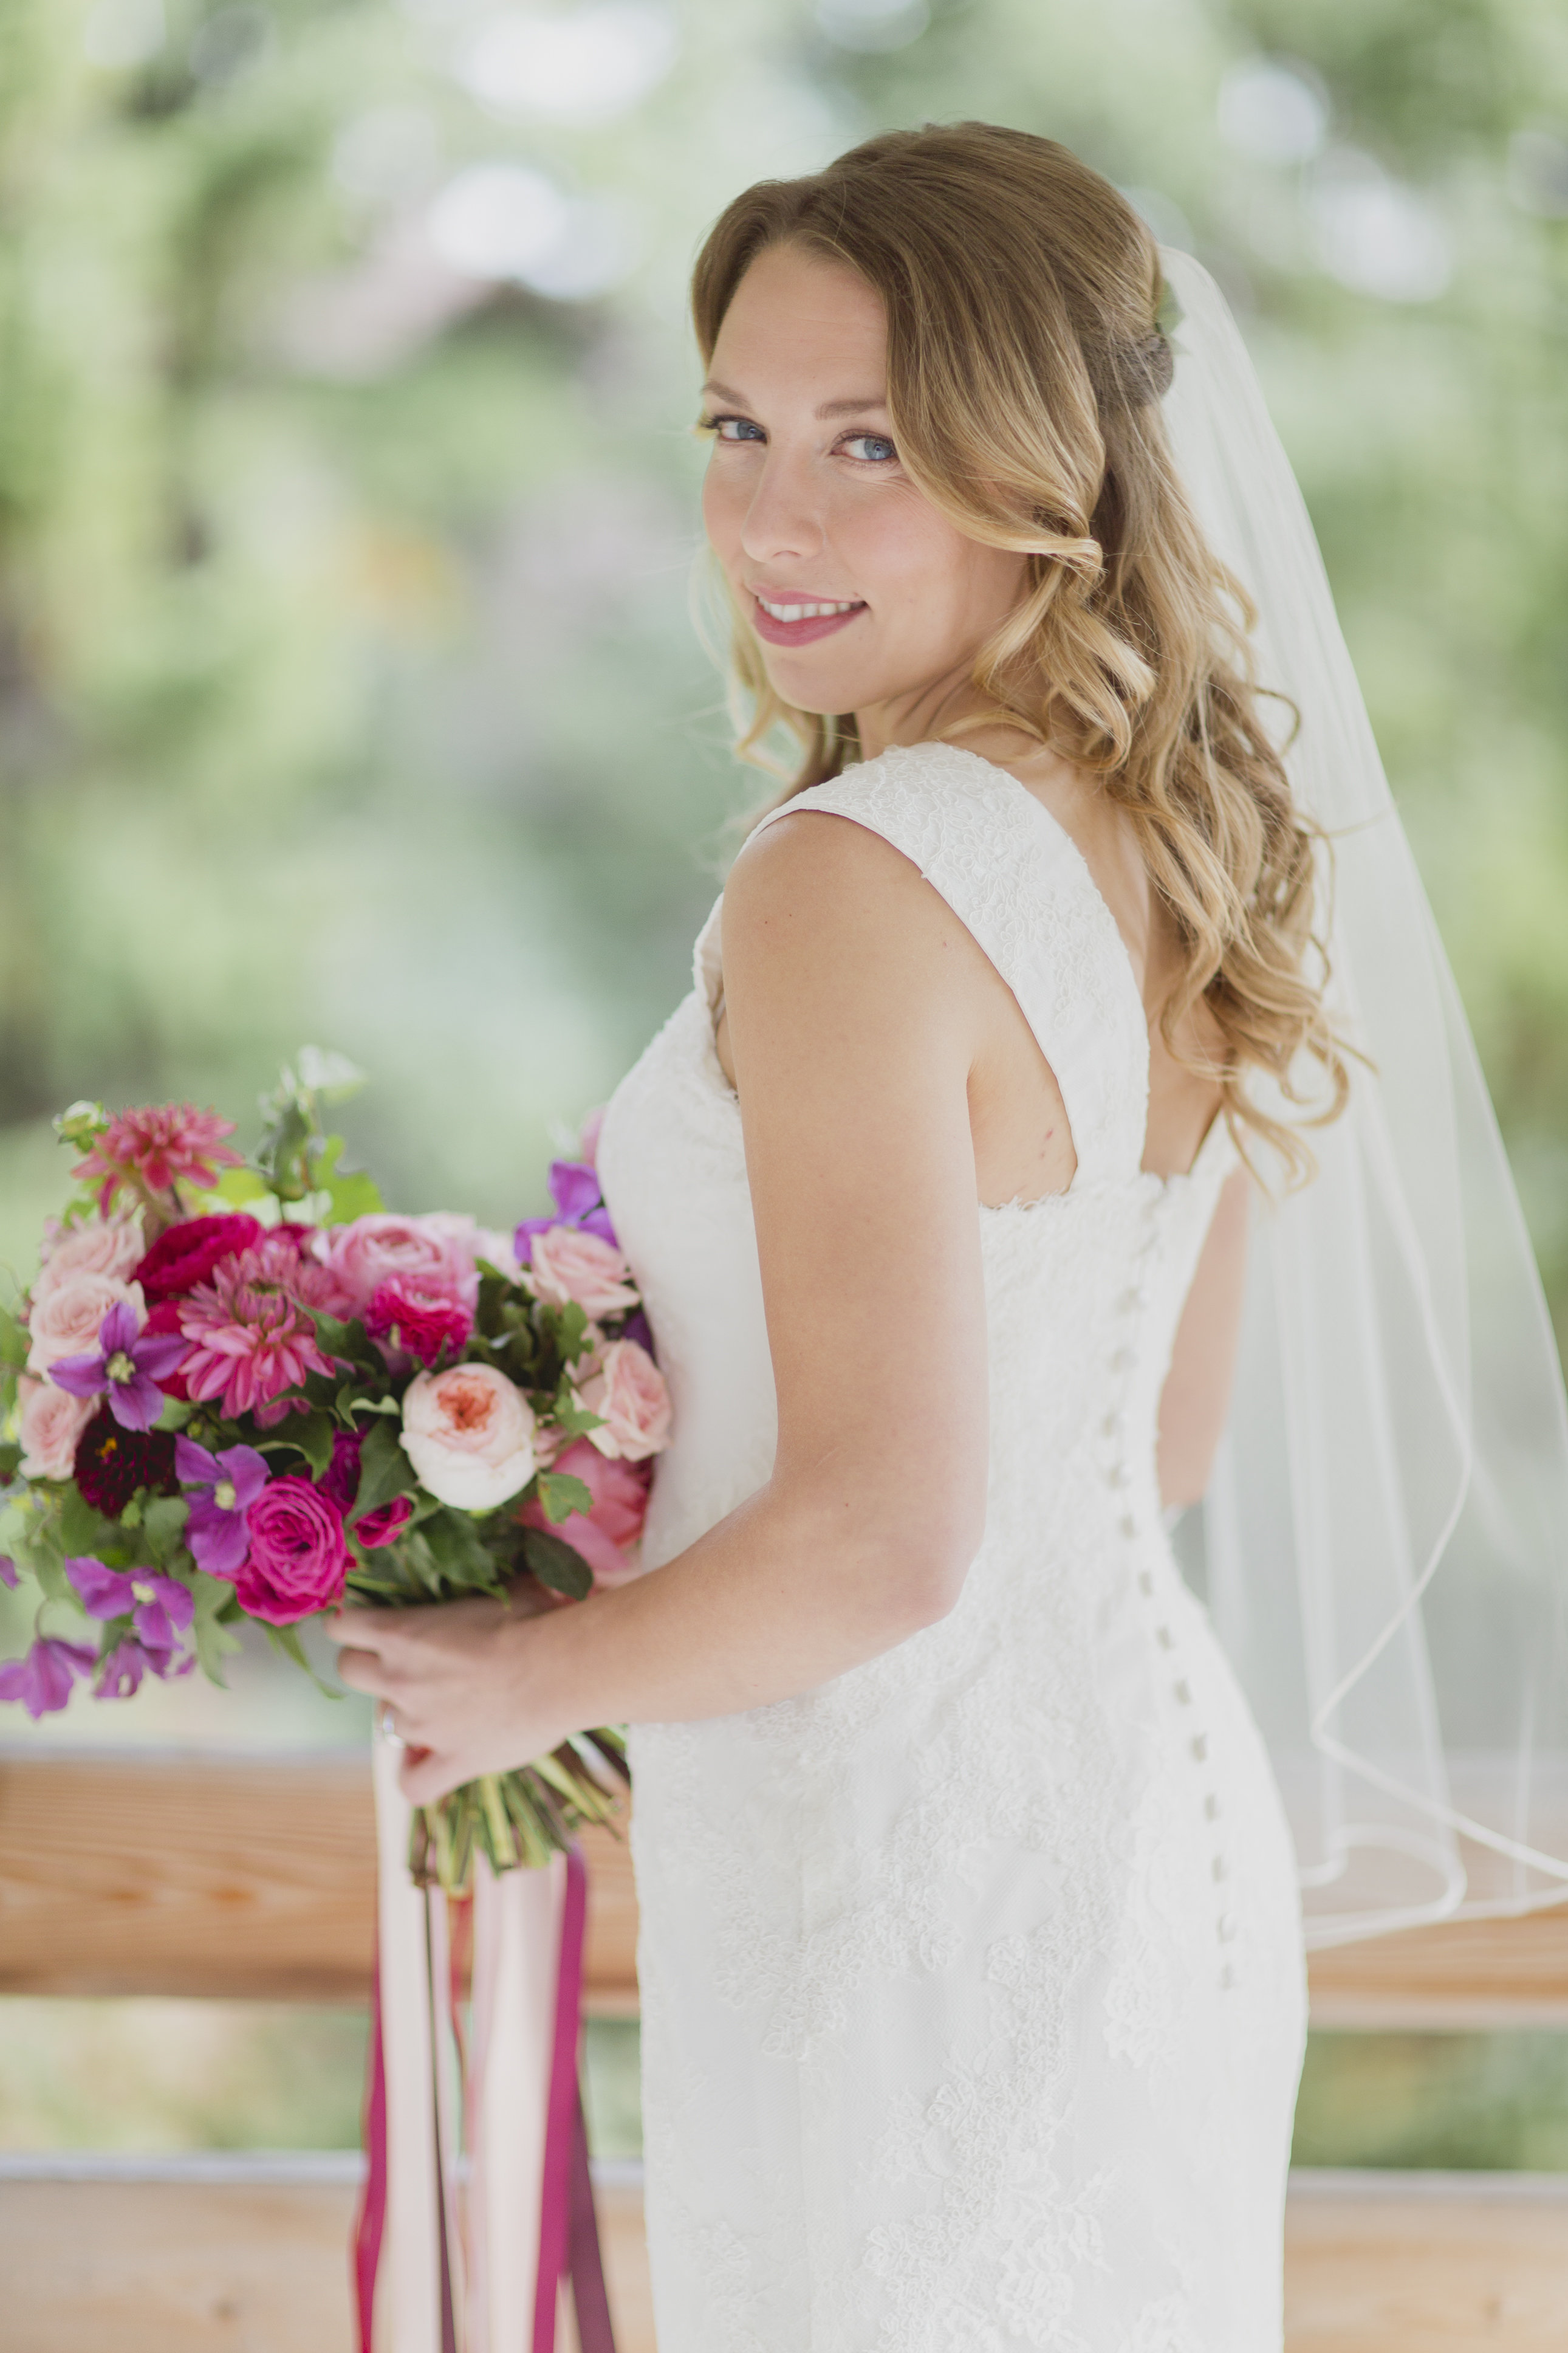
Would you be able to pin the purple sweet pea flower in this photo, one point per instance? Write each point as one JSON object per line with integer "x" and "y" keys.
{"x": 127, "y": 1367}
{"x": 159, "y": 1608}
{"x": 218, "y": 1530}
{"x": 43, "y": 1680}
{"x": 579, "y": 1201}
{"x": 8, "y": 1571}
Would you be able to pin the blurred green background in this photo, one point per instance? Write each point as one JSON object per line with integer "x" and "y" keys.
{"x": 349, "y": 688}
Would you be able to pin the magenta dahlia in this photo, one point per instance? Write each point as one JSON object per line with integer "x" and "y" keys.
{"x": 250, "y": 1328}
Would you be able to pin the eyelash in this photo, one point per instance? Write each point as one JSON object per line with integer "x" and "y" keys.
{"x": 711, "y": 424}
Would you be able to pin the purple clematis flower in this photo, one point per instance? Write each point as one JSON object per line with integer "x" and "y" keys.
{"x": 159, "y": 1608}
{"x": 126, "y": 1367}
{"x": 43, "y": 1680}
{"x": 218, "y": 1530}
{"x": 579, "y": 1201}
{"x": 119, "y": 1671}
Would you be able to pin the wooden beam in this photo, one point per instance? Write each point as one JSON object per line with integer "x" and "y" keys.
{"x": 236, "y": 1877}
{"x": 255, "y": 1879}
{"x": 231, "y": 2255}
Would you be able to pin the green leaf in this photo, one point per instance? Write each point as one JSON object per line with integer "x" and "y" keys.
{"x": 573, "y": 1416}
{"x": 217, "y": 1606}
{"x": 163, "y": 1525}
{"x": 459, "y": 1551}
{"x": 349, "y": 1340}
{"x": 556, "y": 1564}
{"x": 81, "y": 1529}
{"x": 237, "y": 1185}
{"x": 177, "y": 1413}
{"x": 286, "y": 1639}
{"x": 10, "y": 1459}
{"x": 14, "y": 1341}
{"x": 562, "y": 1494}
{"x": 385, "y": 1469}
{"x": 313, "y": 1434}
{"x": 350, "y": 1192}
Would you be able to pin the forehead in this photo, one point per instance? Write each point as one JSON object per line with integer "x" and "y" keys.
{"x": 798, "y": 320}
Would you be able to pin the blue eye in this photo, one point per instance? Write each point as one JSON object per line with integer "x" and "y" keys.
{"x": 731, "y": 428}
{"x": 876, "y": 448}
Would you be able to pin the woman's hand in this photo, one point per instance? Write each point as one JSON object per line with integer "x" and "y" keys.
{"x": 457, "y": 1681}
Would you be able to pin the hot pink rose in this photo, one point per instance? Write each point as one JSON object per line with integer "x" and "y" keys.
{"x": 468, "y": 1433}
{"x": 298, "y": 1557}
{"x": 606, "y": 1534}
{"x": 424, "y": 1318}
{"x": 52, "y": 1421}
{"x": 106, "y": 1246}
{"x": 380, "y": 1248}
{"x": 65, "y": 1322}
{"x": 567, "y": 1262}
{"x": 628, "y": 1391}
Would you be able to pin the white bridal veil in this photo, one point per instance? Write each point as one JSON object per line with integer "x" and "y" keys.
{"x": 1386, "y": 1534}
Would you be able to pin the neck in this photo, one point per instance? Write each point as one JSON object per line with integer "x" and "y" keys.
{"x": 916, "y": 717}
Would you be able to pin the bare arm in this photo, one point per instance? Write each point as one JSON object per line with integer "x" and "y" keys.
{"x": 1196, "y": 1395}
{"x": 850, "y": 1023}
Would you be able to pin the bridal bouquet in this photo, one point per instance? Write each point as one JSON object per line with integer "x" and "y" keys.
{"x": 244, "y": 1391}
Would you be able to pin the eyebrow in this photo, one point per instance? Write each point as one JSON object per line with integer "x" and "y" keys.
{"x": 829, "y": 407}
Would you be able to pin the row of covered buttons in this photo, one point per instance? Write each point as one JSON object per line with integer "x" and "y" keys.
{"x": 1119, "y": 1476}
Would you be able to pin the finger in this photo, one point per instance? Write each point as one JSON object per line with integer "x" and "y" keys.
{"x": 363, "y": 1670}
{"x": 371, "y": 1629}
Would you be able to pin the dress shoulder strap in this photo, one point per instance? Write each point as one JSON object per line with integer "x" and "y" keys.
{"x": 1019, "y": 884}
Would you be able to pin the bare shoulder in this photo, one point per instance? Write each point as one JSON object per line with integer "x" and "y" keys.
{"x": 820, "y": 886}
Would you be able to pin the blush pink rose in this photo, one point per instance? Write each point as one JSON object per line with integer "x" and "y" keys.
{"x": 628, "y": 1391}
{"x": 566, "y": 1263}
{"x": 468, "y": 1433}
{"x": 107, "y": 1246}
{"x": 65, "y": 1322}
{"x": 606, "y": 1534}
{"x": 52, "y": 1421}
{"x": 362, "y": 1256}
{"x": 297, "y": 1557}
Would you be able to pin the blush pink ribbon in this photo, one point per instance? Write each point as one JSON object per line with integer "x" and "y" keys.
{"x": 441, "y": 2265}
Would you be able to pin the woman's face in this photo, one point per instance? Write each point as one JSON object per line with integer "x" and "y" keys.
{"x": 863, "y": 597}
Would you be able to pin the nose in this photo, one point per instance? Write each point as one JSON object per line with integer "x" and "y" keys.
{"x": 784, "y": 520}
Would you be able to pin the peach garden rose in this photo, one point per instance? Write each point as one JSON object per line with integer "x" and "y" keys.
{"x": 469, "y": 1432}
{"x": 567, "y": 1263}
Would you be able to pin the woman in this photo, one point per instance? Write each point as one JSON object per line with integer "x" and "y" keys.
{"x": 972, "y": 1961}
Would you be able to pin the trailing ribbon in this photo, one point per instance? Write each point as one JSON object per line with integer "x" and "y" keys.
{"x": 435, "y": 2272}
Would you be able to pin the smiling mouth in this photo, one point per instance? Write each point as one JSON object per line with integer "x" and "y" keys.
{"x": 798, "y": 620}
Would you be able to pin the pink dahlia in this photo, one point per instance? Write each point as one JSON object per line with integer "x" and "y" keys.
{"x": 155, "y": 1148}
{"x": 250, "y": 1328}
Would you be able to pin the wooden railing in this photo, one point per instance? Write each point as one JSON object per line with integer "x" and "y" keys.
{"x": 255, "y": 1879}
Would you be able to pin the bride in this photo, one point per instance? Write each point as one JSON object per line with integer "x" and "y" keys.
{"x": 972, "y": 1956}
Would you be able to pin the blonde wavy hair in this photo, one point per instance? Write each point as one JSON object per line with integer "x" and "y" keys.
{"x": 1024, "y": 367}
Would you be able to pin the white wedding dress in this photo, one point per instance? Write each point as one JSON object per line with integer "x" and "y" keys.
{"x": 973, "y": 1982}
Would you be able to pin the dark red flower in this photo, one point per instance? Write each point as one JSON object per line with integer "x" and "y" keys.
{"x": 339, "y": 1479}
{"x": 186, "y": 1254}
{"x": 112, "y": 1463}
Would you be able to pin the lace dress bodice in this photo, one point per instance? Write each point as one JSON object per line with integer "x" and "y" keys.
{"x": 972, "y": 1981}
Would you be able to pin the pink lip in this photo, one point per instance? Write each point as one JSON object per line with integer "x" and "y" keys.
{"x": 799, "y": 633}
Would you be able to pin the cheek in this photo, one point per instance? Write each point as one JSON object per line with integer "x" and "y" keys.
{"x": 723, "y": 513}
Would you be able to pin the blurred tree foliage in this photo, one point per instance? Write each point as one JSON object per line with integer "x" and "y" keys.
{"x": 347, "y": 684}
